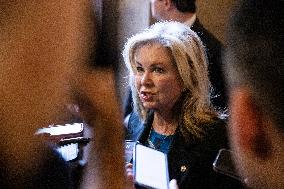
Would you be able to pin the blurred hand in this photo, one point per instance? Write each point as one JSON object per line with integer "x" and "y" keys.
{"x": 129, "y": 174}
{"x": 96, "y": 98}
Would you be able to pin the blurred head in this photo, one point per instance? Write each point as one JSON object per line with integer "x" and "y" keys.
{"x": 167, "y": 65}
{"x": 254, "y": 68}
{"x": 160, "y": 8}
{"x": 43, "y": 47}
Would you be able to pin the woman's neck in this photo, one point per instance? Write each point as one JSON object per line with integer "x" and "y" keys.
{"x": 165, "y": 123}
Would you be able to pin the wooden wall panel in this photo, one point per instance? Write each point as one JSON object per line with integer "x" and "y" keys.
{"x": 214, "y": 15}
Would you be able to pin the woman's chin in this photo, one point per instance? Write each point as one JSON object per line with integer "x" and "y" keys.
{"x": 149, "y": 105}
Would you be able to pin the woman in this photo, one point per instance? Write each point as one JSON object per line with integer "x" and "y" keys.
{"x": 172, "y": 112}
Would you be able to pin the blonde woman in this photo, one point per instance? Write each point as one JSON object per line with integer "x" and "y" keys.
{"x": 172, "y": 112}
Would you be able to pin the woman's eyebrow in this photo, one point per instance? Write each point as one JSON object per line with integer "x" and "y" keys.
{"x": 152, "y": 65}
{"x": 156, "y": 64}
{"x": 138, "y": 63}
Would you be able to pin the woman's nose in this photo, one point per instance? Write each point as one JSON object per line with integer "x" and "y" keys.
{"x": 146, "y": 79}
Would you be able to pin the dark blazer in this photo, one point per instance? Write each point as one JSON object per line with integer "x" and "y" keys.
{"x": 190, "y": 163}
{"x": 214, "y": 53}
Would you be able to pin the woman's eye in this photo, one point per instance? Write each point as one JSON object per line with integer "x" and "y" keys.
{"x": 158, "y": 70}
{"x": 139, "y": 69}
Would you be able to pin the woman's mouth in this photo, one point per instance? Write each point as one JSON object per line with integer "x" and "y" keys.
{"x": 146, "y": 96}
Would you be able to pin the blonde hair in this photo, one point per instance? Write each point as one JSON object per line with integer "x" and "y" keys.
{"x": 190, "y": 60}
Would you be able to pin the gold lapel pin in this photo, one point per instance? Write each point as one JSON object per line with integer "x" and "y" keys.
{"x": 183, "y": 168}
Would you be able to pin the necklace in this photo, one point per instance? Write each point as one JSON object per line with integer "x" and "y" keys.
{"x": 159, "y": 142}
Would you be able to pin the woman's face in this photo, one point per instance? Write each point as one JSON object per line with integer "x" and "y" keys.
{"x": 156, "y": 78}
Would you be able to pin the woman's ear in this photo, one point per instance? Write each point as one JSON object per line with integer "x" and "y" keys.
{"x": 248, "y": 124}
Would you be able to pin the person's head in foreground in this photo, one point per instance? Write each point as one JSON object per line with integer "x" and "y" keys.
{"x": 254, "y": 64}
{"x": 168, "y": 74}
{"x": 45, "y": 54}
